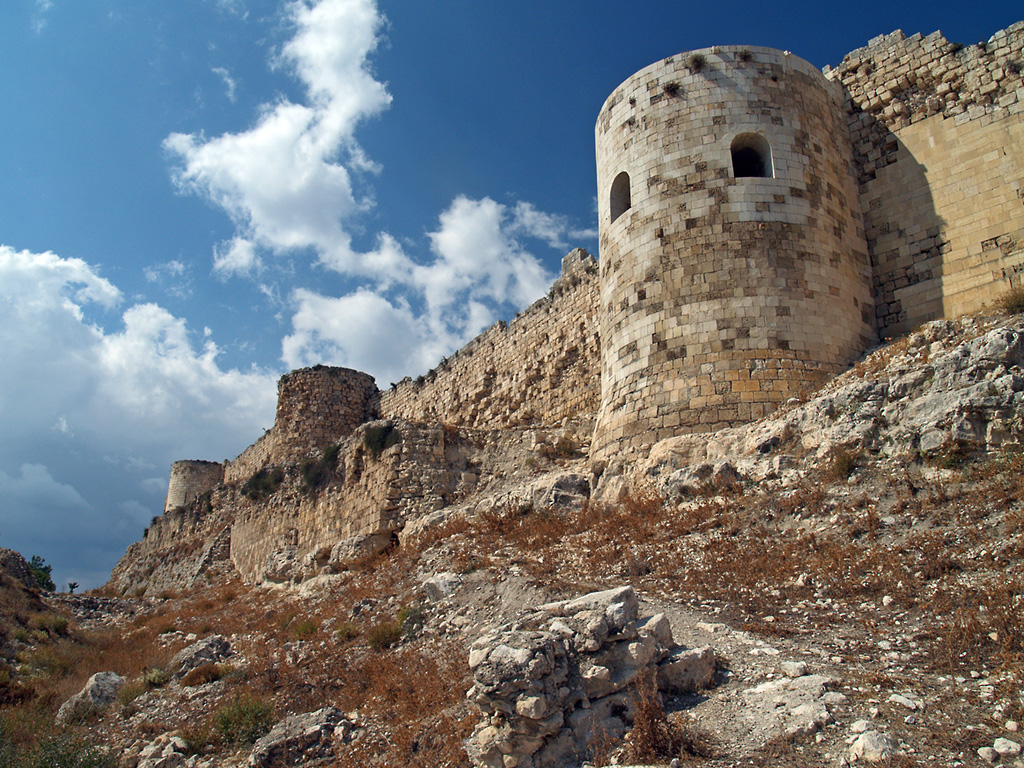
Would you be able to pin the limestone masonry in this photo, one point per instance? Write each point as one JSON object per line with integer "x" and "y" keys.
{"x": 762, "y": 224}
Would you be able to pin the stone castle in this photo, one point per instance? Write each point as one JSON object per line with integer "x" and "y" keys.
{"x": 762, "y": 224}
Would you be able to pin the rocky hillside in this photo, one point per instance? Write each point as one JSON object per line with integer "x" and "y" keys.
{"x": 838, "y": 584}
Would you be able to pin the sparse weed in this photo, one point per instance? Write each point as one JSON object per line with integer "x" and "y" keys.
{"x": 243, "y": 720}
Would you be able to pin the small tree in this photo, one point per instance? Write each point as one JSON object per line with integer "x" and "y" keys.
{"x": 72, "y": 586}
{"x": 41, "y": 572}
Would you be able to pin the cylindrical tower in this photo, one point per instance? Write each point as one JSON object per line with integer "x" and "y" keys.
{"x": 189, "y": 479}
{"x": 320, "y": 405}
{"x": 734, "y": 272}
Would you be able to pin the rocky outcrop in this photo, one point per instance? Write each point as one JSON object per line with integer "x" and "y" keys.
{"x": 13, "y": 564}
{"x": 951, "y": 388}
{"x": 554, "y": 683}
{"x": 301, "y": 739}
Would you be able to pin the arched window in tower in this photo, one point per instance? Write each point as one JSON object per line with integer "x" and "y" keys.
{"x": 752, "y": 157}
{"x": 619, "y": 198}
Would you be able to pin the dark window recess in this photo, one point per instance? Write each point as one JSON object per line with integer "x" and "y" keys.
{"x": 752, "y": 157}
{"x": 620, "y": 198}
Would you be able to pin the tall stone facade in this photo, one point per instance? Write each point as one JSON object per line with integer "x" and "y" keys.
{"x": 938, "y": 136}
{"x": 734, "y": 271}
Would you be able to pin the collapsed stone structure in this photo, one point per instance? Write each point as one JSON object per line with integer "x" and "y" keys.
{"x": 762, "y": 223}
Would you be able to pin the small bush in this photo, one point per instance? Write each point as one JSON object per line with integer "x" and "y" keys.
{"x": 59, "y": 750}
{"x": 243, "y": 721}
{"x": 841, "y": 464}
{"x": 697, "y": 62}
{"x": 384, "y": 635}
{"x": 411, "y": 618}
{"x": 671, "y": 89}
{"x": 1011, "y": 302}
{"x": 51, "y": 623}
{"x": 156, "y": 678}
{"x": 304, "y": 629}
{"x": 201, "y": 675}
{"x": 379, "y": 437}
{"x": 262, "y": 484}
{"x": 654, "y": 736}
{"x": 316, "y": 473}
{"x": 346, "y": 631}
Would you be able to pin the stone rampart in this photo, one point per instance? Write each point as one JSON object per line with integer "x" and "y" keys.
{"x": 937, "y": 130}
{"x": 540, "y": 368}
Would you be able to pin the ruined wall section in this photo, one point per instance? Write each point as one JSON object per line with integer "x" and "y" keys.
{"x": 723, "y": 294}
{"x": 186, "y": 546}
{"x": 316, "y": 407}
{"x": 189, "y": 479}
{"x": 540, "y": 368}
{"x": 295, "y": 533}
{"x": 937, "y": 129}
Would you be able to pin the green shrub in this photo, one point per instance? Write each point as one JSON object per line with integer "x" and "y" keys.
{"x": 317, "y": 472}
{"x": 156, "y": 678}
{"x": 59, "y": 750}
{"x": 379, "y": 437}
{"x": 243, "y": 721}
{"x": 304, "y": 629}
{"x": 411, "y": 618}
{"x": 345, "y": 631}
{"x": 262, "y": 484}
{"x": 41, "y": 573}
{"x": 384, "y": 635}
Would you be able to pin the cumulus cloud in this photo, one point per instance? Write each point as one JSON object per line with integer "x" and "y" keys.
{"x": 87, "y": 413}
{"x": 284, "y": 181}
{"x": 481, "y": 269}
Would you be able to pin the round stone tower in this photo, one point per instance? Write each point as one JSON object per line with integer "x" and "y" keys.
{"x": 189, "y": 479}
{"x": 733, "y": 267}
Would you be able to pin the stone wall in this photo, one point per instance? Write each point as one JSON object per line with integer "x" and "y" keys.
{"x": 723, "y": 294}
{"x": 937, "y": 130}
{"x": 316, "y": 407}
{"x": 189, "y": 479}
{"x": 540, "y": 368}
{"x": 293, "y": 532}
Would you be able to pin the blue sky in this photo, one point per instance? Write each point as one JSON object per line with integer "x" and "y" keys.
{"x": 197, "y": 196}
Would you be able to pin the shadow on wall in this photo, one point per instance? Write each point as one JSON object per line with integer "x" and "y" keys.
{"x": 905, "y": 235}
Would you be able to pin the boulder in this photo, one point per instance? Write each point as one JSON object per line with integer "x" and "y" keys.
{"x": 98, "y": 694}
{"x": 209, "y": 650}
{"x": 872, "y": 747}
{"x": 301, "y": 739}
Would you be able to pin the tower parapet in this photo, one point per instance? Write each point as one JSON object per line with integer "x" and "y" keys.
{"x": 190, "y": 479}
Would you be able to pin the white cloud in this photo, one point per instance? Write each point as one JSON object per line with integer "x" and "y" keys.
{"x": 284, "y": 182}
{"x": 73, "y": 393}
{"x": 362, "y": 330}
{"x": 479, "y": 258}
{"x": 230, "y": 85}
{"x": 235, "y": 257}
{"x": 235, "y": 7}
{"x": 39, "y": 19}
{"x": 480, "y": 271}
